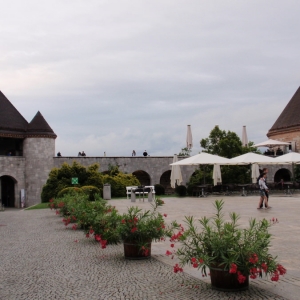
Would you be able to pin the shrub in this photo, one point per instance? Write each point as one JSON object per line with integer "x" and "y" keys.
{"x": 180, "y": 190}
{"x": 159, "y": 189}
{"x": 91, "y": 191}
{"x": 60, "y": 178}
{"x": 119, "y": 182}
{"x": 69, "y": 190}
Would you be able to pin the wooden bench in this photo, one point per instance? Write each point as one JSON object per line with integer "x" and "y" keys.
{"x": 129, "y": 189}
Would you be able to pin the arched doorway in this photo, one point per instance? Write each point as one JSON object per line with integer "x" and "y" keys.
{"x": 165, "y": 180}
{"x": 7, "y": 191}
{"x": 142, "y": 176}
{"x": 284, "y": 174}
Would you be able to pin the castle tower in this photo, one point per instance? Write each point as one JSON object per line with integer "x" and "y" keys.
{"x": 26, "y": 155}
{"x": 287, "y": 126}
{"x": 39, "y": 150}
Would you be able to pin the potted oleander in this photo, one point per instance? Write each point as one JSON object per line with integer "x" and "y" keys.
{"x": 231, "y": 254}
{"x": 138, "y": 228}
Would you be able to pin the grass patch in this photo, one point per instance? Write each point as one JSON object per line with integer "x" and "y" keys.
{"x": 39, "y": 206}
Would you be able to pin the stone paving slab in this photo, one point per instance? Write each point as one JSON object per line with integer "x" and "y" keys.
{"x": 40, "y": 259}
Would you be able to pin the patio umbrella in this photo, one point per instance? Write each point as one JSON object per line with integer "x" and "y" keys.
{"x": 189, "y": 138}
{"x": 176, "y": 176}
{"x": 244, "y": 137}
{"x": 271, "y": 143}
{"x": 203, "y": 159}
{"x": 217, "y": 177}
{"x": 292, "y": 157}
{"x": 254, "y": 172}
{"x": 252, "y": 158}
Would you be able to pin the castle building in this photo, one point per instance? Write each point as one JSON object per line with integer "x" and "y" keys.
{"x": 26, "y": 155}
{"x": 287, "y": 126}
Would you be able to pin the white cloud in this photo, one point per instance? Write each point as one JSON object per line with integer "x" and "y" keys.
{"x": 116, "y": 76}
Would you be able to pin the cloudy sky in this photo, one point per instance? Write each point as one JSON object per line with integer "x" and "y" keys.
{"x": 113, "y": 76}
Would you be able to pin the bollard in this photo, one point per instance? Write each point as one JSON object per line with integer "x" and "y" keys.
{"x": 150, "y": 196}
{"x": 132, "y": 196}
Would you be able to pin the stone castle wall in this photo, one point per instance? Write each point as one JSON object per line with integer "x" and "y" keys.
{"x": 38, "y": 153}
{"x": 154, "y": 166}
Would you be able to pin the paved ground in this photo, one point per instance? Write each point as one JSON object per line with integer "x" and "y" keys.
{"x": 40, "y": 259}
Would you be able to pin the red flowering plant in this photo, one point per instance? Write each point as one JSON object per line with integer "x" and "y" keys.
{"x": 224, "y": 245}
{"x": 142, "y": 227}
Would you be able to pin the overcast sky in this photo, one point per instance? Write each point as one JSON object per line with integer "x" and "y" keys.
{"x": 113, "y": 76}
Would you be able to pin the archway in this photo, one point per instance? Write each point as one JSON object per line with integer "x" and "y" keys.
{"x": 165, "y": 179}
{"x": 7, "y": 191}
{"x": 143, "y": 177}
{"x": 284, "y": 174}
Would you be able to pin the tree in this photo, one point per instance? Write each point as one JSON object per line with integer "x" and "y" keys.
{"x": 185, "y": 152}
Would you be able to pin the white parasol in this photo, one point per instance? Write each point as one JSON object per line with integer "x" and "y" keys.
{"x": 217, "y": 177}
{"x": 254, "y": 172}
{"x": 271, "y": 143}
{"x": 203, "y": 159}
{"x": 244, "y": 137}
{"x": 176, "y": 176}
{"x": 189, "y": 138}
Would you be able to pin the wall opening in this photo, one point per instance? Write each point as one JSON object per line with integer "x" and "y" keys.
{"x": 282, "y": 174}
{"x": 11, "y": 146}
{"x": 7, "y": 191}
{"x": 142, "y": 176}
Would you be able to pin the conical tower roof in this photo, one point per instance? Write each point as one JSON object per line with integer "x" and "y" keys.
{"x": 39, "y": 127}
{"x": 12, "y": 123}
{"x": 290, "y": 116}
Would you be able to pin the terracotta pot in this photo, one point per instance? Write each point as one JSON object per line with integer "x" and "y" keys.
{"x": 133, "y": 251}
{"x": 222, "y": 280}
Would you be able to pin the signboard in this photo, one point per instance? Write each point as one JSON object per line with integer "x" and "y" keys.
{"x": 74, "y": 180}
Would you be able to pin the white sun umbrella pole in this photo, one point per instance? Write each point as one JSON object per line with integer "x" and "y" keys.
{"x": 217, "y": 177}
{"x": 176, "y": 176}
{"x": 244, "y": 137}
{"x": 189, "y": 138}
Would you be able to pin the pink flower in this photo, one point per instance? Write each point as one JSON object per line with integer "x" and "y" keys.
{"x": 165, "y": 215}
{"x": 177, "y": 269}
{"x": 172, "y": 245}
{"x": 233, "y": 268}
{"x": 134, "y": 229}
{"x": 168, "y": 252}
{"x": 241, "y": 278}
{"x": 195, "y": 265}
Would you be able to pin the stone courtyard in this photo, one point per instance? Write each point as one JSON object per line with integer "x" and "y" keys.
{"x": 41, "y": 259}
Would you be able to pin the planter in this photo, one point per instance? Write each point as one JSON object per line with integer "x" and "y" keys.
{"x": 222, "y": 280}
{"x": 132, "y": 250}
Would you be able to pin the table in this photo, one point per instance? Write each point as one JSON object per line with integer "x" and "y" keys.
{"x": 244, "y": 193}
{"x": 203, "y": 187}
{"x": 142, "y": 190}
{"x": 288, "y": 191}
